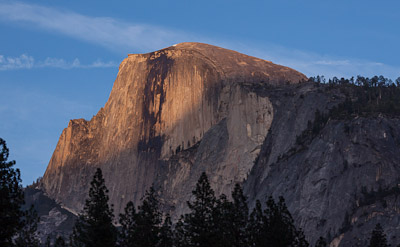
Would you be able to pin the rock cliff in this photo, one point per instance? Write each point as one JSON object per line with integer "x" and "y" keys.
{"x": 193, "y": 107}
{"x": 339, "y": 183}
{"x": 188, "y": 96}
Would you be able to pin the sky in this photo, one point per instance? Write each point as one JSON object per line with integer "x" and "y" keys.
{"x": 59, "y": 59}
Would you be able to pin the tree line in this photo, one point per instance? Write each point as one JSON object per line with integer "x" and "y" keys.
{"x": 364, "y": 96}
{"x": 211, "y": 221}
{"x": 17, "y": 225}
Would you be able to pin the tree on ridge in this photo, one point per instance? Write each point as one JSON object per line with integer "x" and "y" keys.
{"x": 94, "y": 227}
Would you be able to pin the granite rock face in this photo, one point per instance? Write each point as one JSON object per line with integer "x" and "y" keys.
{"x": 54, "y": 220}
{"x": 188, "y": 96}
{"x": 343, "y": 181}
{"x": 192, "y": 107}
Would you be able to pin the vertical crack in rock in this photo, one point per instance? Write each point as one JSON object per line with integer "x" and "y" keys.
{"x": 153, "y": 100}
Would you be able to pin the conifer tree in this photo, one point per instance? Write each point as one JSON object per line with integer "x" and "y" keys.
{"x": 48, "y": 241}
{"x": 60, "y": 242}
{"x": 27, "y": 235}
{"x": 378, "y": 237}
{"x": 198, "y": 227}
{"x": 274, "y": 226}
{"x": 231, "y": 219}
{"x": 321, "y": 242}
{"x": 166, "y": 234}
{"x": 148, "y": 221}
{"x": 240, "y": 217}
{"x": 11, "y": 198}
{"x": 94, "y": 227}
{"x": 128, "y": 225}
{"x": 280, "y": 229}
{"x": 180, "y": 237}
{"x": 224, "y": 222}
{"x": 256, "y": 227}
{"x": 300, "y": 240}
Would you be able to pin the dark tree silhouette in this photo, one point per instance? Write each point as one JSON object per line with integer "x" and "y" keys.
{"x": 321, "y": 242}
{"x": 166, "y": 233}
{"x": 148, "y": 221}
{"x": 27, "y": 235}
{"x": 128, "y": 225}
{"x": 198, "y": 228}
{"x": 180, "y": 238}
{"x": 281, "y": 230}
{"x": 223, "y": 217}
{"x": 378, "y": 237}
{"x": 48, "y": 241}
{"x": 274, "y": 226}
{"x": 256, "y": 227}
{"x": 11, "y": 198}
{"x": 94, "y": 226}
{"x": 231, "y": 219}
{"x": 60, "y": 242}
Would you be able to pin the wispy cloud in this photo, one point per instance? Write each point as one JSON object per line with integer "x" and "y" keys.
{"x": 108, "y": 32}
{"x": 28, "y": 62}
{"x": 126, "y": 37}
{"x": 62, "y": 64}
{"x": 21, "y": 62}
{"x": 312, "y": 64}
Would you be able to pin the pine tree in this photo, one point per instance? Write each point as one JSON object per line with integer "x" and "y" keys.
{"x": 378, "y": 237}
{"x": 166, "y": 234}
{"x": 256, "y": 228}
{"x": 280, "y": 229}
{"x": 180, "y": 237}
{"x": 148, "y": 221}
{"x": 240, "y": 217}
{"x": 198, "y": 226}
{"x": 27, "y": 235}
{"x": 128, "y": 225}
{"x": 48, "y": 241}
{"x": 11, "y": 198}
{"x": 274, "y": 226}
{"x": 300, "y": 240}
{"x": 224, "y": 222}
{"x": 321, "y": 242}
{"x": 60, "y": 242}
{"x": 231, "y": 219}
{"x": 94, "y": 227}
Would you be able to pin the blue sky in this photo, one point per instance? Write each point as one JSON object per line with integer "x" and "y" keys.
{"x": 59, "y": 59}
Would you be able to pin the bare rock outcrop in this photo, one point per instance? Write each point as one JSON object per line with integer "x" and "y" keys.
{"x": 339, "y": 183}
{"x": 193, "y": 107}
{"x": 189, "y": 96}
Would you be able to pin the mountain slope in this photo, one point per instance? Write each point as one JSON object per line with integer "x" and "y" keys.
{"x": 339, "y": 182}
{"x": 162, "y": 103}
{"x": 193, "y": 107}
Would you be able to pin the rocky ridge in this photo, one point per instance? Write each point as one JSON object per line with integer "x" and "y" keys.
{"x": 177, "y": 112}
{"x": 341, "y": 182}
{"x": 162, "y": 103}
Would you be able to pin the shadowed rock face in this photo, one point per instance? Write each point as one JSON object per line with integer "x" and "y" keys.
{"x": 177, "y": 112}
{"x": 187, "y": 97}
{"x": 340, "y": 184}
{"x": 54, "y": 220}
